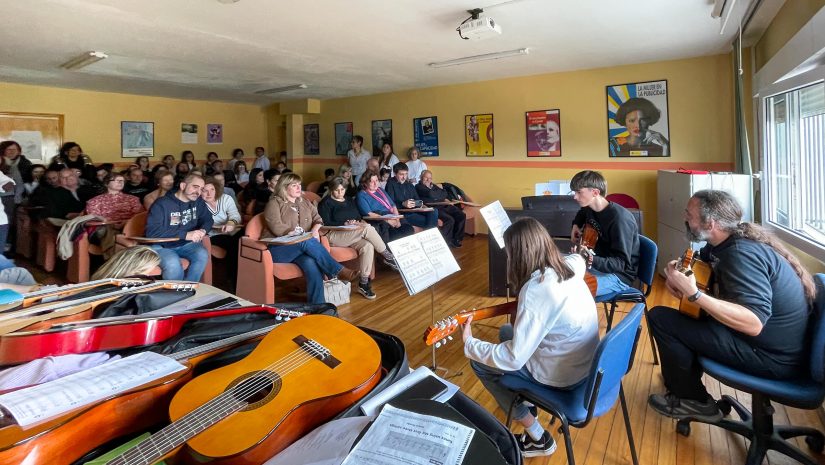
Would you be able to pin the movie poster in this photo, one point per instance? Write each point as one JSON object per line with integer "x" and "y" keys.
{"x": 478, "y": 135}
{"x": 214, "y": 133}
{"x": 381, "y": 133}
{"x": 425, "y": 136}
{"x": 637, "y": 120}
{"x": 137, "y": 139}
{"x": 543, "y": 133}
{"x": 188, "y": 133}
{"x": 343, "y": 136}
{"x": 312, "y": 139}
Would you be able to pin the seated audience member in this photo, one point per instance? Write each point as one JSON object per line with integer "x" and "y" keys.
{"x": 221, "y": 178}
{"x": 6, "y": 185}
{"x": 165, "y": 181}
{"x": 261, "y": 160}
{"x": 345, "y": 171}
{"x": 289, "y": 213}
{"x": 37, "y": 173}
{"x": 183, "y": 215}
{"x": 181, "y": 171}
{"x": 114, "y": 205}
{"x": 18, "y": 167}
{"x": 133, "y": 262}
{"x": 756, "y": 321}
{"x": 383, "y": 177}
{"x": 71, "y": 155}
{"x": 41, "y": 195}
{"x": 452, "y": 218}
{"x": 374, "y": 201}
{"x": 66, "y": 201}
{"x": 188, "y": 157}
{"x": 169, "y": 162}
{"x": 136, "y": 186}
{"x": 403, "y": 193}
{"x": 336, "y": 209}
{"x": 237, "y": 156}
{"x": 554, "y": 334}
{"x": 414, "y": 165}
{"x": 256, "y": 182}
{"x": 216, "y": 167}
{"x": 226, "y": 222}
{"x": 264, "y": 193}
{"x": 388, "y": 158}
{"x": 616, "y": 259}
{"x": 329, "y": 173}
{"x": 143, "y": 164}
{"x": 241, "y": 175}
{"x": 211, "y": 157}
{"x": 373, "y": 164}
{"x": 281, "y": 167}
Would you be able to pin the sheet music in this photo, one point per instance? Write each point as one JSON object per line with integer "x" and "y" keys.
{"x": 286, "y": 239}
{"x": 497, "y": 221}
{"x": 423, "y": 259}
{"x": 47, "y": 400}
{"x": 327, "y": 444}
{"x": 398, "y": 436}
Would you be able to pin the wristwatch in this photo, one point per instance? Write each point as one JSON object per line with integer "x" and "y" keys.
{"x": 694, "y": 297}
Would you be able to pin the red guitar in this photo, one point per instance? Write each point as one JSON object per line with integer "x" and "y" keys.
{"x": 110, "y": 333}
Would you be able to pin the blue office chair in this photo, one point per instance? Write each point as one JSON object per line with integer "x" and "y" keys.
{"x": 648, "y": 252}
{"x": 596, "y": 395}
{"x": 807, "y": 392}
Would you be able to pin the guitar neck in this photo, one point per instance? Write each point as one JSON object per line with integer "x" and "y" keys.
{"x": 488, "y": 312}
{"x": 188, "y": 354}
{"x": 440, "y": 331}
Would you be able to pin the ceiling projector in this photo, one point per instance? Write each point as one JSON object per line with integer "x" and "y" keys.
{"x": 479, "y": 28}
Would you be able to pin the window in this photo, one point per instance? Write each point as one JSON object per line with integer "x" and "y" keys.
{"x": 794, "y": 165}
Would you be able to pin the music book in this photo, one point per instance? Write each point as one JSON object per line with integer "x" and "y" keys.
{"x": 286, "y": 240}
{"x": 423, "y": 259}
{"x": 497, "y": 221}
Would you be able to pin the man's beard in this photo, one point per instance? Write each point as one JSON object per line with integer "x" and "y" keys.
{"x": 695, "y": 236}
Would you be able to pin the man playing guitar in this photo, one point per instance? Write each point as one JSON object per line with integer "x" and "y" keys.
{"x": 756, "y": 322}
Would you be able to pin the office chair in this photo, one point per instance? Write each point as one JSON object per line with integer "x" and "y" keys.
{"x": 597, "y": 394}
{"x": 806, "y": 392}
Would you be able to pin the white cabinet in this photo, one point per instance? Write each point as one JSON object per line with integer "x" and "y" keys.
{"x": 674, "y": 190}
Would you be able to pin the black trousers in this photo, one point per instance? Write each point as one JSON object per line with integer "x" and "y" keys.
{"x": 681, "y": 339}
{"x": 229, "y": 242}
{"x": 452, "y": 219}
{"x": 389, "y": 234}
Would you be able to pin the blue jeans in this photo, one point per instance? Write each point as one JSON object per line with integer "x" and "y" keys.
{"x": 11, "y": 274}
{"x": 424, "y": 220}
{"x": 314, "y": 261}
{"x": 170, "y": 257}
{"x": 608, "y": 283}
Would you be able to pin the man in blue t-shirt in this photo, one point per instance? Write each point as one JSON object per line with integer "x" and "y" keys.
{"x": 181, "y": 214}
{"x": 756, "y": 320}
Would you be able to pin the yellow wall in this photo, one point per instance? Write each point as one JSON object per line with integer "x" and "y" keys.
{"x": 701, "y": 128}
{"x": 788, "y": 21}
{"x": 92, "y": 119}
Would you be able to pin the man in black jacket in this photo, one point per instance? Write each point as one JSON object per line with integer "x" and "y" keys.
{"x": 452, "y": 218}
{"x": 404, "y": 195}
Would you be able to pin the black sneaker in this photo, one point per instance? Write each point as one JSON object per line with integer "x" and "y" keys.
{"x": 366, "y": 290}
{"x": 532, "y": 448}
{"x": 390, "y": 262}
{"x": 671, "y": 406}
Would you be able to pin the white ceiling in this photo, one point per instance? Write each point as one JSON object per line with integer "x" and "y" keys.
{"x": 204, "y": 49}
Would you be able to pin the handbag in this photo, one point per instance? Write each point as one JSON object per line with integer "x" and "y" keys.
{"x": 337, "y": 292}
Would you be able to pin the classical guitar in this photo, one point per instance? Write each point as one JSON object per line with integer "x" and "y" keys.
{"x": 689, "y": 264}
{"x": 301, "y": 374}
{"x": 587, "y": 243}
{"x": 64, "y": 440}
{"x": 62, "y": 292}
{"x": 439, "y": 333}
{"x": 44, "y": 315}
{"x": 111, "y": 333}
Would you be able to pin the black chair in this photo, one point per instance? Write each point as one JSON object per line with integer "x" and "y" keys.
{"x": 807, "y": 392}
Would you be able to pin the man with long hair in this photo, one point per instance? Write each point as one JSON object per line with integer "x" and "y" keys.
{"x": 756, "y": 320}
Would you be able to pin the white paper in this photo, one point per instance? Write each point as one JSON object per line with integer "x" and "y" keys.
{"x": 401, "y": 437}
{"x": 436, "y": 250}
{"x": 373, "y": 405}
{"x": 327, "y": 444}
{"x": 285, "y": 239}
{"x": 423, "y": 259}
{"x": 497, "y": 221}
{"x": 31, "y": 142}
{"x": 47, "y": 400}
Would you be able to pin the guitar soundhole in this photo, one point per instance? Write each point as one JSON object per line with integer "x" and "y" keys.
{"x": 256, "y": 388}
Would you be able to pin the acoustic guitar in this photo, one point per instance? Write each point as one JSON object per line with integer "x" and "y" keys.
{"x": 61, "y": 292}
{"x": 301, "y": 375}
{"x": 439, "y": 333}
{"x": 65, "y": 439}
{"x": 587, "y": 243}
{"x": 689, "y": 264}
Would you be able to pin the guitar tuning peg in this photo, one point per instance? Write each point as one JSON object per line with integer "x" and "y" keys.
{"x": 444, "y": 342}
{"x": 278, "y": 318}
{"x": 449, "y": 338}
{"x": 438, "y": 344}
{"x": 286, "y": 318}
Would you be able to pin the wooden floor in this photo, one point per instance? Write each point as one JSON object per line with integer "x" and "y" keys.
{"x": 603, "y": 441}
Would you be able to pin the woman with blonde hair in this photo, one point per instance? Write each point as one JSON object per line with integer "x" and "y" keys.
{"x": 134, "y": 261}
{"x": 553, "y": 336}
{"x": 288, "y": 213}
{"x": 345, "y": 171}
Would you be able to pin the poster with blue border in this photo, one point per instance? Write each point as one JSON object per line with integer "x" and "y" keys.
{"x": 425, "y": 133}
{"x": 637, "y": 120}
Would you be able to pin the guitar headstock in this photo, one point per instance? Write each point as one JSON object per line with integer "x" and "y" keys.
{"x": 439, "y": 333}
{"x": 286, "y": 315}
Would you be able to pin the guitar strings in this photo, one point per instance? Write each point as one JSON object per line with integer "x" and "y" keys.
{"x": 216, "y": 404}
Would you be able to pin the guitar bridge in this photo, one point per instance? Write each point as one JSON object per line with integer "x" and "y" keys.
{"x": 316, "y": 350}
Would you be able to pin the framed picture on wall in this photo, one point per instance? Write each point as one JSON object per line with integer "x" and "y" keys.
{"x": 425, "y": 136}
{"x": 381, "y": 134}
{"x": 312, "y": 139}
{"x": 137, "y": 139}
{"x": 39, "y": 135}
{"x": 543, "y": 133}
{"x": 478, "y": 135}
{"x": 214, "y": 133}
{"x": 637, "y": 120}
{"x": 343, "y": 136}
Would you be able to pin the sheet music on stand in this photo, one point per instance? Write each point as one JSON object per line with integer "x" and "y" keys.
{"x": 423, "y": 259}
{"x": 497, "y": 221}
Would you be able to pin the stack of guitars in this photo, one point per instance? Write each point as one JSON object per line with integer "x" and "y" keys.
{"x": 303, "y": 370}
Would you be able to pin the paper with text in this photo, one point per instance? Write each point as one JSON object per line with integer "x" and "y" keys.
{"x": 37, "y": 403}
{"x": 497, "y": 221}
{"x": 374, "y": 404}
{"x": 398, "y": 436}
{"x": 327, "y": 444}
{"x": 423, "y": 259}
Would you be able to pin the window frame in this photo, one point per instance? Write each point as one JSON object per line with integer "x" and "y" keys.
{"x": 782, "y": 86}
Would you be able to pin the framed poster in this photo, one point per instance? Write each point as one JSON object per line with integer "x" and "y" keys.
{"x": 637, "y": 120}
{"x": 381, "y": 133}
{"x": 543, "y": 133}
{"x": 478, "y": 135}
{"x": 137, "y": 139}
{"x": 214, "y": 133}
{"x": 39, "y": 135}
{"x": 188, "y": 133}
{"x": 343, "y": 136}
{"x": 312, "y": 139}
{"x": 425, "y": 136}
